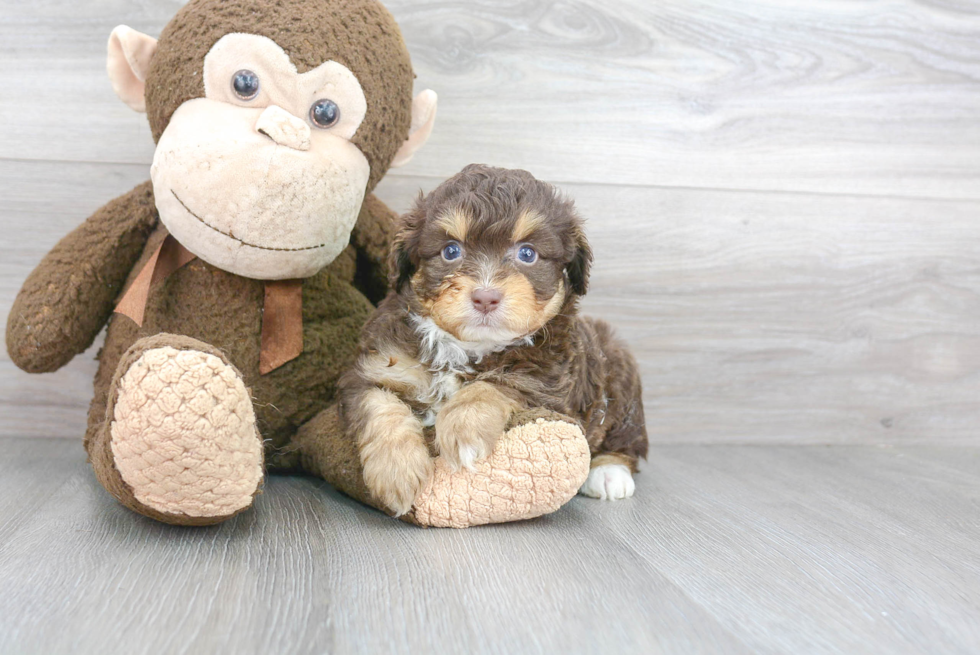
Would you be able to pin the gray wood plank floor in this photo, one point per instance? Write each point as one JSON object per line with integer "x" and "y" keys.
{"x": 783, "y": 199}
{"x": 731, "y": 549}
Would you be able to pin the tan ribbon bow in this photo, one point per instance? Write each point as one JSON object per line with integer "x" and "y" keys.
{"x": 282, "y": 315}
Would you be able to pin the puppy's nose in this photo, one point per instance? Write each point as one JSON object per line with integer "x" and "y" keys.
{"x": 486, "y": 300}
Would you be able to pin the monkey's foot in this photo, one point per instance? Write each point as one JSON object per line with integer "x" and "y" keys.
{"x": 183, "y": 435}
{"x": 535, "y": 468}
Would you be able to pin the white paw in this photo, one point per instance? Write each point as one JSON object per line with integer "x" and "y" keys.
{"x": 468, "y": 456}
{"x": 609, "y": 482}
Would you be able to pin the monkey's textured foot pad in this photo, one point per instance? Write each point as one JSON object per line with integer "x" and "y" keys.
{"x": 534, "y": 469}
{"x": 183, "y": 434}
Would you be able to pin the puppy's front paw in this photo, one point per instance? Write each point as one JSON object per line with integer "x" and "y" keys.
{"x": 396, "y": 473}
{"x": 609, "y": 482}
{"x": 467, "y": 432}
{"x": 468, "y": 427}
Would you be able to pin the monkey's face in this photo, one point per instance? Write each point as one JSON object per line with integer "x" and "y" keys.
{"x": 259, "y": 177}
{"x": 272, "y": 121}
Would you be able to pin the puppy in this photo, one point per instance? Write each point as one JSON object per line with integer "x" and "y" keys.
{"x": 481, "y": 321}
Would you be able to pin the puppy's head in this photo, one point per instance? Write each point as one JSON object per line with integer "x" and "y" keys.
{"x": 491, "y": 255}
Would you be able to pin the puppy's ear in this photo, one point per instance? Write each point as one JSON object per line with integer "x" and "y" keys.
{"x": 578, "y": 269}
{"x": 403, "y": 259}
{"x": 402, "y": 268}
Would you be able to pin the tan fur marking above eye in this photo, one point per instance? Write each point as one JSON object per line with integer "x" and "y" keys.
{"x": 456, "y": 223}
{"x": 526, "y": 224}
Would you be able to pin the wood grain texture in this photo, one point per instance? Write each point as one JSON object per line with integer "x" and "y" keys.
{"x": 723, "y": 549}
{"x": 756, "y": 317}
{"x": 835, "y": 97}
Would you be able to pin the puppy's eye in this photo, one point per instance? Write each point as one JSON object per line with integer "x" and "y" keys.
{"x": 452, "y": 251}
{"x": 325, "y": 113}
{"x": 527, "y": 254}
{"x": 246, "y": 84}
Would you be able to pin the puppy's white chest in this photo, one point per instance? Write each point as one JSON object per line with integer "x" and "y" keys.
{"x": 448, "y": 360}
{"x": 443, "y": 386}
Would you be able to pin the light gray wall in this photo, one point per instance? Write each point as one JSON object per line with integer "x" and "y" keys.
{"x": 784, "y": 197}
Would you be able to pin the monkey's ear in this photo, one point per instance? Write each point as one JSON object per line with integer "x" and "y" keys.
{"x": 423, "y": 117}
{"x": 130, "y": 53}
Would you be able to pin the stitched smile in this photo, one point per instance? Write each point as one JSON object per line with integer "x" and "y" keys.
{"x": 231, "y": 236}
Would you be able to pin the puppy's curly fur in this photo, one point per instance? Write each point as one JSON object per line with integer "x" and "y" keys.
{"x": 482, "y": 320}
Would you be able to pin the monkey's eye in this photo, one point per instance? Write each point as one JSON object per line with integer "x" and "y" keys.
{"x": 452, "y": 251}
{"x": 527, "y": 254}
{"x": 246, "y": 84}
{"x": 324, "y": 113}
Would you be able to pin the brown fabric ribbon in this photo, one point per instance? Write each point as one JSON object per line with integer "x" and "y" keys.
{"x": 282, "y": 324}
{"x": 165, "y": 260}
{"x": 282, "y": 315}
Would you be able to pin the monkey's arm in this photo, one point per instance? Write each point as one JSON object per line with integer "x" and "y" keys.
{"x": 67, "y": 299}
{"x": 372, "y": 239}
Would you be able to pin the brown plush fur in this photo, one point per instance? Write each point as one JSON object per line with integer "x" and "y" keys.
{"x": 360, "y": 34}
{"x": 71, "y": 295}
{"x": 68, "y": 298}
{"x": 431, "y": 355}
{"x": 287, "y": 397}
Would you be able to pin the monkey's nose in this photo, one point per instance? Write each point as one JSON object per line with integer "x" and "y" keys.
{"x": 284, "y": 128}
{"x": 486, "y": 300}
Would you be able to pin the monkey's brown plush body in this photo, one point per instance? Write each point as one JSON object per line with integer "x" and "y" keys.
{"x": 284, "y": 399}
{"x": 186, "y": 419}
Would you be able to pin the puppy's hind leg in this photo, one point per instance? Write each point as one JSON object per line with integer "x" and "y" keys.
{"x": 610, "y": 477}
{"x": 625, "y": 439}
{"x": 613, "y": 465}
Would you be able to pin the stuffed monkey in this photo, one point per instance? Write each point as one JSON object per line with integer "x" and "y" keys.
{"x": 235, "y": 281}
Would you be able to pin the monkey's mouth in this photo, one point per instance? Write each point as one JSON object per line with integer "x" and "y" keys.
{"x": 241, "y": 241}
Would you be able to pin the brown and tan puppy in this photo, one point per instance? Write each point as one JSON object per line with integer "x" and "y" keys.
{"x": 482, "y": 322}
